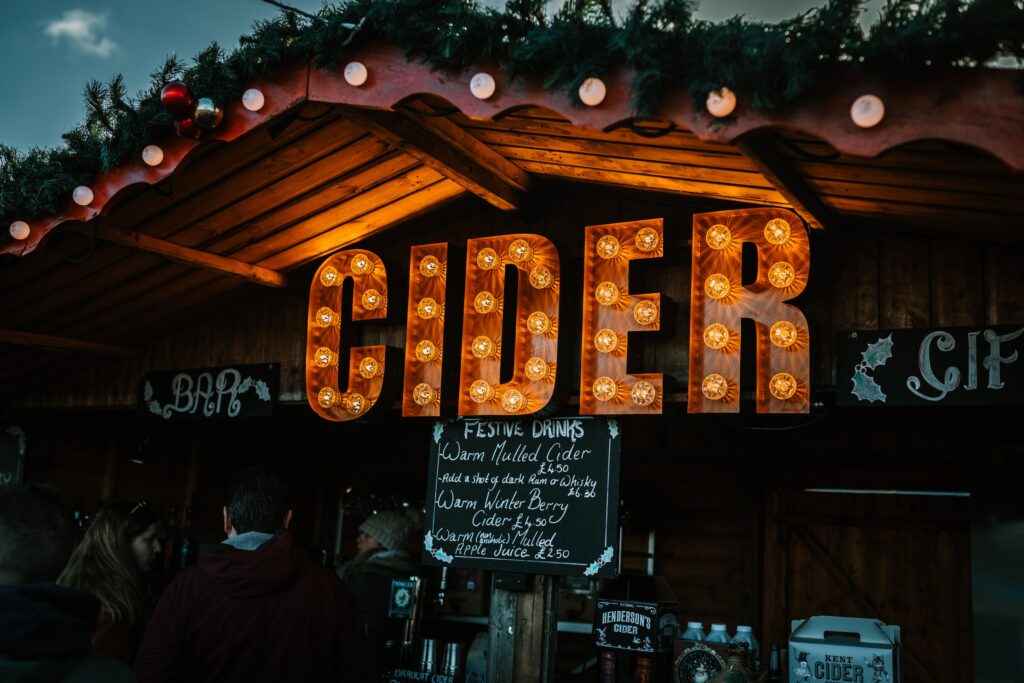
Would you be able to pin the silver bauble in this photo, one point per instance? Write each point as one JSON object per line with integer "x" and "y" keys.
{"x": 207, "y": 114}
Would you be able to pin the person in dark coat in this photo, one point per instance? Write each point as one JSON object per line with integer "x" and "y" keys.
{"x": 255, "y": 607}
{"x": 45, "y": 629}
{"x": 384, "y": 554}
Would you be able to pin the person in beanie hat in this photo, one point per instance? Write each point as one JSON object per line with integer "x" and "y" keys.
{"x": 384, "y": 548}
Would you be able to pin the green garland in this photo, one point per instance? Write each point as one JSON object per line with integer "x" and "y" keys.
{"x": 771, "y": 64}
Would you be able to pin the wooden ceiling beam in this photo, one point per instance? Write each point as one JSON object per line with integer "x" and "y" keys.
{"x": 193, "y": 257}
{"x": 451, "y": 151}
{"x": 762, "y": 151}
{"x": 48, "y": 341}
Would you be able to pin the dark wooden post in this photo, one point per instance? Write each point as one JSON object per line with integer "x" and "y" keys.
{"x": 523, "y": 629}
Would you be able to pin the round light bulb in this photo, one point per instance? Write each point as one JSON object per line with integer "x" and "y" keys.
{"x": 867, "y": 111}
{"x": 777, "y": 231}
{"x": 430, "y": 266}
{"x": 592, "y": 92}
{"x": 330, "y": 276}
{"x": 715, "y": 387}
{"x": 541, "y": 277}
{"x": 645, "y": 312}
{"x": 718, "y": 236}
{"x": 19, "y": 230}
{"x": 426, "y": 351}
{"x": 781, "y": 274}
{"x": 428, "y": 308}
{"x": 82, "y": 195}
{"x": 721, "y": 103}
{"x": 152, "y": 155}
{"x": 717, "y": 286}
{"x": 512, "y": 401}
{"x": 520, "y": 250}
{"x": 369, "y": 367}
{"x": 606, "y": 340}
{"x": 716, "y": 336}
{"x": 782, "y": 385}
{"x": 324, "y": 357}
{"x": 537, "y": 369}
{"x": 253, "y": 99}
{"x": 643, "y": 393}
{"x": 538, "y": 322}
{"x": 487, "y": 259}
{"x": 327, "y": 397}
{"x": 647, "y": 239}
{"x": 483, "y": 347}
{"x": 372, "y": 299}
{"x": 423, "y": 394}
{"x": 607, "y": 293}
{"x": 783, "y": 334}
{"x": 482, "y": 85}
{"x": 361, "y": 264}
{"x": 480, "y": 391}
{"x": 608, "y": 247}
{"x": 354, "y": 403}
{"x": 325, "y": 317}
{"x": 605, "y": 388}
{"x": 485, "y": 302}
{"x": 355, "y": 73}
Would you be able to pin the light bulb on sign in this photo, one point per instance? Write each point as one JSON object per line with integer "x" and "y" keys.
{"x": 781, "y": 275}
{"x": 645, "y": 312}
{"x": 428, "y": 308}
{"x": 592, "y": 92}
{"x": 20, "y": 230}
{"x": 782, "y": 386}
{"x": 608, "y": 247}
{"x": 152, "y": 155}
{"x": 718, "y": 237}
{"x": 253, "y": 99}
{"x": 777, "y": 231}
{"x": 330, "y": 276}
{"x": 783, "y": 334}
{"x": 537, "y": 369}
{"x": 324, "y": 357}
{"x": 423, "y": 394}
{"x": 520, "y": 250}
{"x": 426, "y": 351}
{"x": 485, "y": 302}
{"x": 369, "y": 367}
{"x": 643, "y": 394}
{"x": 541, "y": 277}
{"x": 325, "y": 317}
{"x": 482, "y": 86}
{"x": 605, "y": 388}
{"x": 354, "y": 403}
{"x": 483, "y": 347}
{"x": 512, "y": 401}
{"x": 361, "y": 264}
{"x": 327, "y": 397}
{"x": 82, "y": 195}
{"x": 355, "y": 73}
{"x": 716, "y": 336}
{"x": 717, "y": 286}
{"x": 430, "y": 266}
{"x": 607, "y": 293}
{"x": 647, "y": 239}
{"x": 480, "y": 391}
{"x": 487, "y": 259}
{"x": 721, "y": 103}
{"x": 538, "y": 322}
{"x": 867, "y": 111}
{"x": 606, "y": 340}
{"x": 372, "y": 299}
{"x": 715, "y": 387}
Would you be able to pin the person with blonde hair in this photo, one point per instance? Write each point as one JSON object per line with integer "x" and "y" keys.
{"x": 113, "y": 561}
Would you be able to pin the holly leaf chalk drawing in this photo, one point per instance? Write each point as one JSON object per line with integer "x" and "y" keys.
{"x": 878, "y": 352}
{"x": 595, "y": 566}
{"x": 436, "y": 553}
{"x": 262, "y": 390}
{"x": 613, "y": 428}
{"x": 438, "y": 430}
{"x": 865, "y": 388}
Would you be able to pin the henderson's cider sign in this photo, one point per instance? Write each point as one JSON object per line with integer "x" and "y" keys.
{"x": 718, "y": 302}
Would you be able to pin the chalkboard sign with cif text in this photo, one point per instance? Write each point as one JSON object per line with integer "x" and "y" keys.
{"x": 536, "y": 496}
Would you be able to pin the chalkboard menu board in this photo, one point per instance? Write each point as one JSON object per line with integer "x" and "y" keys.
{"x": 536, "y": 496}
{"x": 12, "y": 455}
{"x": 210, "y": 393}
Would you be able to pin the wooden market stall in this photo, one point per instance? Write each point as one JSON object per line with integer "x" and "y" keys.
{"x": 206, "y": 258}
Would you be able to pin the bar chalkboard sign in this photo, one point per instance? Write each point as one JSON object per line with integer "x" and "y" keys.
{"x": 952, "y": 366}
{"x": 535, "y": 496}
{"x": 237, "y": 391}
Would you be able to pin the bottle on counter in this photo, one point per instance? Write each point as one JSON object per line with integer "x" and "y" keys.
{"x": 643, "y": 670}
{"x": 606, "y": 667}
{"x": 745, "y": 634}
{"x": 774, "y": 670}
{"x": 694, "y": 631}
{"x": 718, "y": 634}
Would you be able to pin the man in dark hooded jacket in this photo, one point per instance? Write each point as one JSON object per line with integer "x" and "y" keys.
{"x": 255, "y": 607}
{"x": 45, "y": 629}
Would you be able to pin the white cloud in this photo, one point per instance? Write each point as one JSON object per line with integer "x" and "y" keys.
{"x": 84, "y": 31}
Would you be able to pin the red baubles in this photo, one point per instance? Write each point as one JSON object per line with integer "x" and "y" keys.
{"x": 187, "y": 128}
{"x": 177, "y": 100}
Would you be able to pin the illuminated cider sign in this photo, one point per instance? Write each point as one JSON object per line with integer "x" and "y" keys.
{"x": 718, "y": 302}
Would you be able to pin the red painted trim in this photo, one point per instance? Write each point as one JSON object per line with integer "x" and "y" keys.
{"x": 982, "y": 108}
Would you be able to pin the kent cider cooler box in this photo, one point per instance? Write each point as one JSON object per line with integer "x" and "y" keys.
{"x": 844, "y": 650}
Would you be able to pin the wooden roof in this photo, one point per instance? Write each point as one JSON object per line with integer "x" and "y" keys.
{"x": 325, "y": 165}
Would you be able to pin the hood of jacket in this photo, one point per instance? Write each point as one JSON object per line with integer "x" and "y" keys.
{"x": 273, "y": 567}
{"x": 46, "y": 621}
